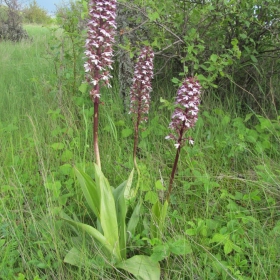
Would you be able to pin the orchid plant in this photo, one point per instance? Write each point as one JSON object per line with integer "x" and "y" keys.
{"x": 184, "y": 118}
{"x": 99, "y": 51}
{"x": 110, "y": 205}
{"x": 140, "y": 95}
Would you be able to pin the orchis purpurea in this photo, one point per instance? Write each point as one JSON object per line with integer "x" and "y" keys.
{"x": 99, "y": 51}
{"x": 184, "y": 117}
{"x": 140, "y": 91}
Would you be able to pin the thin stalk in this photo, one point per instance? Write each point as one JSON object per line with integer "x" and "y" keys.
{"x": 181, "y": 134}
{"x": 136, "y": 136}
{"x": 173, "y": 173}
{"x": 95, "y": 131}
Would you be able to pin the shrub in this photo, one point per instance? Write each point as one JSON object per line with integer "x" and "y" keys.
{"x": 35, "y": 14}
{"x": 11, "y": 22}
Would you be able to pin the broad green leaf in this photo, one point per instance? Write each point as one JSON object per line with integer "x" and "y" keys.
{"x": 108, "y": 215}
{"x": 121, "y": 210}
{"x": 142, "y": 267}
{"x": 134, "y": 219}
{"x": 90, "y": 191}
{"x": 107, "y": 248}
{"x": 128, "y": 193}
{"x": 159, "y": 212}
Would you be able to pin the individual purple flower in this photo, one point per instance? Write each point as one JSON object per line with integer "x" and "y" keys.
{"x": 186, "y": 113}
{"x": 142, "y": 85}
{"x": 101, "y": 31}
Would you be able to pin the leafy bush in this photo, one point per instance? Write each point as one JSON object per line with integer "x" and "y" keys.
{"x": 11, "y": 22}
{"x": 35, "y": 14}
{"x": 226, "y": 43}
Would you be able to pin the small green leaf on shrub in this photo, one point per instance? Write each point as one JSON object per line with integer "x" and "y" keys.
{"x": 66, "y": 156}
{"x": 228, "y": 247}
{"x": 214, "y": 57}
{"x": 57, "y": 146}
{"x": 175, "y": 81}
{"x": 160, "y": 252}
{"x": 191, "y": 231}
{"x": 218, "y": 238}
{"x": 254, "y": 59}
{"x": 180, "y": 247}
{"x": 159, "y": 185}
{"x": 126, "y": 132}
{"x": 151, "y": 197}
{"x": 66, "y": 169}
{"x": 2, "y": 242}
{"x": 153, "y": 16}
{"x": 83, "y": 87}
{"x": 120, "y": 123}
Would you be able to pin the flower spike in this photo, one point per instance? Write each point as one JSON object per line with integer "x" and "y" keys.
{"x": 99, "y": 51}
{"x": 186, "y": 113}
{"x": 142, "y": 84}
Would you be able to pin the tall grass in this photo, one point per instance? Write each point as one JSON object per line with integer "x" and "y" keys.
{"x": 226, "y": 192}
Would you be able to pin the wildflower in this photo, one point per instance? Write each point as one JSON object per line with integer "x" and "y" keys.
{"x": 140, "y": 93}
{"x": 101, "y": 31}
{"x": 183, "y": 118}
{"x": 186, "y": 113}
{"x": 142, "y": 86}
{"x": 99, "y": 51}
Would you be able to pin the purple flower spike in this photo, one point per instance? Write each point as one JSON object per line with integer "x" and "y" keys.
{"x": 186, "y": 113}
{"x": 101, "y": 31}
{"x": 142, "y": 84}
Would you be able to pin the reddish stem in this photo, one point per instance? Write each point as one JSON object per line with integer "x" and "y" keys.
{"x": 95, "y": 128}
{"x": 173, "y": 173}
{"x": 181, "y": 134}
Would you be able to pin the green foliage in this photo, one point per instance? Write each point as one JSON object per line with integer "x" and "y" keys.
{"x": 110, "y": 208}
{"x": 224, "y": 212}
{"x": 11, "y": 22}
{"x": 35, "y": 14}
{"x": 219, "y": 41}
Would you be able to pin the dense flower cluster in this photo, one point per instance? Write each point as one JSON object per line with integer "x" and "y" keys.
{"x": 186, "y": 113}
{"x": 101, "y": 31}
{"x": 142, "y": 84}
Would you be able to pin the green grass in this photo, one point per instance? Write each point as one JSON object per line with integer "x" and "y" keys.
{"x": 226, "y": 195}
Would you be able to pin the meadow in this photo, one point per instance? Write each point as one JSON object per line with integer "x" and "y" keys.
{"x": 223, "y": 221}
